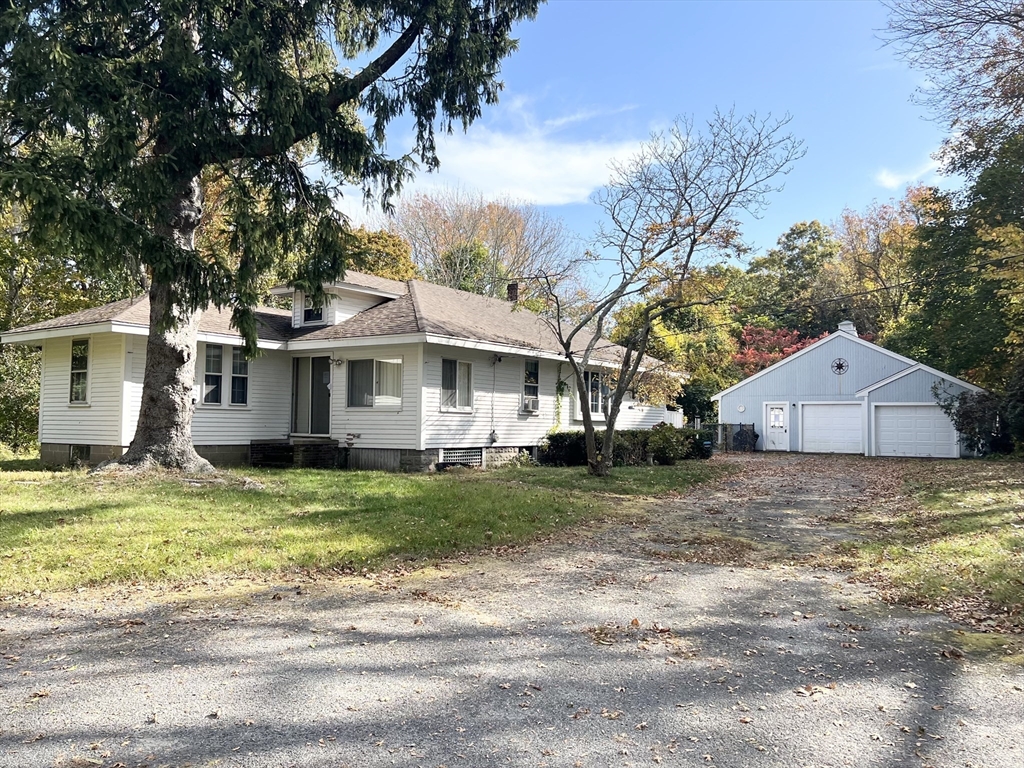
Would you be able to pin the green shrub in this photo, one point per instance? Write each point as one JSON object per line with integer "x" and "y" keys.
{"x": 667, "y": 445}
{"x": 664, "y": 443}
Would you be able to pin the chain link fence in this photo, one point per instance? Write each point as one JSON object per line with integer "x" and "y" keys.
{"x": 729, "y": 438}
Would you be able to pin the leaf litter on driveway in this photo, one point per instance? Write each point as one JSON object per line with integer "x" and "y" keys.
{"x": 595, "y": 648}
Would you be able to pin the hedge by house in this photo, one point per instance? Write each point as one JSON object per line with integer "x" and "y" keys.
{"x": 664, "y": 444}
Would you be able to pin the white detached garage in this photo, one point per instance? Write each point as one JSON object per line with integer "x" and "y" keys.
{"x": 843, "y": 394}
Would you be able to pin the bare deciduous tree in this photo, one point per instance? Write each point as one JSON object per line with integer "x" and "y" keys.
{"x": 671, "y": 206}
{"x": 518, "y": 240}
{"x": 973, "y": 52}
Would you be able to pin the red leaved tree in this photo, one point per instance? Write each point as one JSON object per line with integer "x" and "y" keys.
{"x": 761, "y": 347}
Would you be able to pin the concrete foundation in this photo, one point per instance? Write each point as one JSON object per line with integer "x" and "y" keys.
{"x": 225, "y": 455}
{"x": 73, "y": 454}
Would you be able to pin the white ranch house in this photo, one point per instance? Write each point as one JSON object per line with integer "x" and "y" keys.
{"x": 843, "y": 394}
{"x": 408, "y": 374}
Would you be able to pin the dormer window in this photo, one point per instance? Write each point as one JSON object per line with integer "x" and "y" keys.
{"x": 311, "y": 314}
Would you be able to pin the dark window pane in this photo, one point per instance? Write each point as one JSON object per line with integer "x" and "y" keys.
{"x": 239, "y": 390}
{"x": 311, "y": 315}
{"x": 449, "y": 384}
{"x": 211, "y": 389}
{"x": 79, "y": 355}
{"x": 532, "y": 371}
{"x": 360, "y": 383}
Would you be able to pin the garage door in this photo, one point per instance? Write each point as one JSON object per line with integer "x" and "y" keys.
{"x": 831, "y": 428}
{"x": 914, "y": 430}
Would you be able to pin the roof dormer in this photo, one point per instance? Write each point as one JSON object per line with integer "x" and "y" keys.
{"x": 343, "y": 299}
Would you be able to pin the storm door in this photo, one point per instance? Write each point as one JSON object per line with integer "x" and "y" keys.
{"x": 311, "y": 396}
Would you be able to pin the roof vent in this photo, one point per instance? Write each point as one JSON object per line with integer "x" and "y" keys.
{"x": 848, "y": 327}
{"x": 513, "y": 292}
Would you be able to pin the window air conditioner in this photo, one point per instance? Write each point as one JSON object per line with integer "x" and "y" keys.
{"x": 531, "y": 404}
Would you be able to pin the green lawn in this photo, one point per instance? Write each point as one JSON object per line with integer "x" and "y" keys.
{"x": 960, "y": 546}
{"x": 61, "y": 530}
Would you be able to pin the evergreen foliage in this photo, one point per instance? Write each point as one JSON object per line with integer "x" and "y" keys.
{"x": 115, "y": 118}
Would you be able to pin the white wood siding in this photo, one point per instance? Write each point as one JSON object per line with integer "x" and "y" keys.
{"x": 95, "y": 423}
{"x": 377, "y": 427}
{"x": 632, "y": 415}
{"x": 266, "y": 417}
{"x": 135, "y": 369}
{"x": 497, "y": 402}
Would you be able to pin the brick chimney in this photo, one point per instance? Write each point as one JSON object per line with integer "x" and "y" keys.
{"x": 513, "y": 292}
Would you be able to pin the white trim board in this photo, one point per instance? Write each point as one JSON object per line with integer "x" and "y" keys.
{"x": 805, "y": 350}
{"x": 917, "y": 367}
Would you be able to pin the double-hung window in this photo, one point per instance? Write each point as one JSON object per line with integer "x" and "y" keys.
{"x": 310, "y": 313}
{"x": 531, "y": 385}
{"x": 239, "y": 377}
{"x": 531, "y": 381}
{"x": 213, "y": 374}
{"x": 456, "y": 385}
{"x": 79, "y": 371}
{"x": 375, "y": 383}
{"x": 594, "y": 384}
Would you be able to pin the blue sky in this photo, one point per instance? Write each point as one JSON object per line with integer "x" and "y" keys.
{"x": 593, "y": 78}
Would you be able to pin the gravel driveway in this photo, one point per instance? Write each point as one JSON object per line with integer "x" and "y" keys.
{"x": 605, "y": 647}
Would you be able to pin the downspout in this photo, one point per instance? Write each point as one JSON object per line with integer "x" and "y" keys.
{"x": 495, "y": 359}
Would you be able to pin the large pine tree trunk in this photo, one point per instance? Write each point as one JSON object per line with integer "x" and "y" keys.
{"x": 163, "y": 436}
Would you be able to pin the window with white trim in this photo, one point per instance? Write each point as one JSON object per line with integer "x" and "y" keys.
{"x": 593, "y": 382}
{"x": 239, "y": 377}
{"x": 531, "y": 378}
{"x": 311, "y": 313}
{"x": 213, "y": 374}
{"x": 456, "y": 385}
{"x": 375, "y": 383}
{"x": 79, "y": 371}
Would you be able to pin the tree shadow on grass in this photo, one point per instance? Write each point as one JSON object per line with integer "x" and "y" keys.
{"x": 21, "y": 465}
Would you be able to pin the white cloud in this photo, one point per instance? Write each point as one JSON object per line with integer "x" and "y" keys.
{"x": 890, "y": 179}
{"x": 531, "y": 165}
{"x": 552, "y": 161}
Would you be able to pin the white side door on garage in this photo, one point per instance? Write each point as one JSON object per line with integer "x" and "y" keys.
{"x": 831, "y": 428}
{"x": 914, "y": 430}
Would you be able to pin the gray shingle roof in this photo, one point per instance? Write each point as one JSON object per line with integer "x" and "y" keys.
{"x": 272, "y": 324}
{"x": 387, "y": 319}
{"x": 373, "y": 282}
{"x": 420, "y": 308}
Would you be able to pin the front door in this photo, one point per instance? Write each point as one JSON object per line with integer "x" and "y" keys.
{"x": 776, "y": 427}
{"x": 311, "y": 395}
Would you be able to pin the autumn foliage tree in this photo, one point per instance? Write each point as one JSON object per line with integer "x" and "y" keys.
{"x": 762, "y": 347}
{"x": 668, "y": 208}
{"x": 36, "y": 283}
